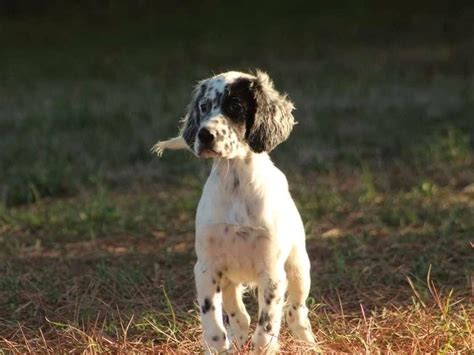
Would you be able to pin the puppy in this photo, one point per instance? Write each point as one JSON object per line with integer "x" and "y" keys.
{"x": 248, "y": 230}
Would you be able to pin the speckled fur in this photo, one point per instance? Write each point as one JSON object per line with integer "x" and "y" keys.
{"x": 248, "y": 229}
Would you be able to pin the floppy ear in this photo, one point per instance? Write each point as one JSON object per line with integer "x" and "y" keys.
{"x": 273, "y": 120}
{"x": 190, "y": 122}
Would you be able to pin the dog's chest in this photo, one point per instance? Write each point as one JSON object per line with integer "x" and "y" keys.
{"x": 236, "y": 250}
{"x": 232, "y": 199}
{"x": 233, "y": 228}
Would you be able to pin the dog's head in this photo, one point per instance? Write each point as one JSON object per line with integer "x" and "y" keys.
{"x": 233, "y": 112}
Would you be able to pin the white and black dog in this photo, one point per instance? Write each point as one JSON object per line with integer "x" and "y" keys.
{"x": 248, "y": 230}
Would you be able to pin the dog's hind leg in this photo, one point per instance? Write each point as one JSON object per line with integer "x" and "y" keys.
{"x": 239, "y": 319}
{"x": 299, "y": 282}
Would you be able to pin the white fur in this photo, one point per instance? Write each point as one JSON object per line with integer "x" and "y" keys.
{"x": 248, "y": 232}
{"x": 262, "y": 247}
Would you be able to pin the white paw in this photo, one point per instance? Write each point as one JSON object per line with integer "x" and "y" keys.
{"x": 158, "y": 149}
{"x": 265, "y": 344}
{"x": 298, "y": 322}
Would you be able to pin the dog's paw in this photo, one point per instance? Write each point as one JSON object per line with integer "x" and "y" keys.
{"x": 265, "y": 344}
{"x": 158, "y": 149}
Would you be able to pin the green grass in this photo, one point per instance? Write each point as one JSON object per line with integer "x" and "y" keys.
{"x": 78, "y": 106}
{"x": 96, "y": 234}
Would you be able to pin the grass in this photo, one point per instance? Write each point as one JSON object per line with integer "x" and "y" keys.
{"x": 108, "y": 271}
{"x": 96, "y": 235}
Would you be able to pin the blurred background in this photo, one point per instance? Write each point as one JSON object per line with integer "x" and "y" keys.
{"x": 87, "y": 87}
{"x": 97, "y": 233}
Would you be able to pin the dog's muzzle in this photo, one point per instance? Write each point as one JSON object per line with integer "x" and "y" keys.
{"x": 206, "y": 138}
{"x": 206, "y": 143}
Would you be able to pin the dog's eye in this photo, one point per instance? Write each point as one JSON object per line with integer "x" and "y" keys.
{"x": 205, "y": 107}
{"x": 236, "y": 108}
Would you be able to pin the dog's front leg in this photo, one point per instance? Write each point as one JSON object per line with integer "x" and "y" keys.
{"x": 239, "y": 319}
{"x": 210, "y": 303}
{"x": 271, "y": 291}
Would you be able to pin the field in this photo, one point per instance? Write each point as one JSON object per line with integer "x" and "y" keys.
{"x": 96, "y": 234}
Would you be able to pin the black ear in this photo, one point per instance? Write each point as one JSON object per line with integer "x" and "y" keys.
{"x": 191, "y": 121}
{"x": 273, "y": 120}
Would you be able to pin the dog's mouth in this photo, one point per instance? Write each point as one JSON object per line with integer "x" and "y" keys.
{"x": 208, "y": 153}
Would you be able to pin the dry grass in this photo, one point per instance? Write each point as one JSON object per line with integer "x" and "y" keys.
{"x": 443, "y": 324}
{"x": 381, "y": 283}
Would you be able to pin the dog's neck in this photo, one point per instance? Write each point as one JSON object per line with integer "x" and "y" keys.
{"x": 247, "y": 169}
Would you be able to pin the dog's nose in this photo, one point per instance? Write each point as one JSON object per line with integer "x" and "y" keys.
{"x": 205, "y": 136}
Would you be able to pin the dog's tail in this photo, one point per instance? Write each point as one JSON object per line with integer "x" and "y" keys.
{"x": 175, "y": 143}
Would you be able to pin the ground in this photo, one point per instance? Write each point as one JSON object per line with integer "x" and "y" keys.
{"x": 96, "y": 234}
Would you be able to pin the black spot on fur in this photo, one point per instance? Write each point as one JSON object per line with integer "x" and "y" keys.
{"x": 263, "y": 319}
{"x": 236, "y": 182}
{"x": 224, "y": 132}
{"x": 215, "y": 338}
{"x": 290, "y": 314}
{"x": 269, "y": 297}
{"x": 206, "y": 306}
{"x": 232, "y": 314}
{"x": 213, "y": 281}
{"x": 249, "y": 211}
{"x": 218, "y": 289}
{"x": 269, "y": 293}
{"x": 223, "y": 336}
{"x": 218, "y": 98}
{"x": 219, "y": 274}
{"x": 294, "y": 307}
{"x": 225, "y": 319}
{"x": 238, "y": 104}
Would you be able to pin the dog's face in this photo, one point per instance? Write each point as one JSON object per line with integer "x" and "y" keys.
{"x": 234, "y": 113}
